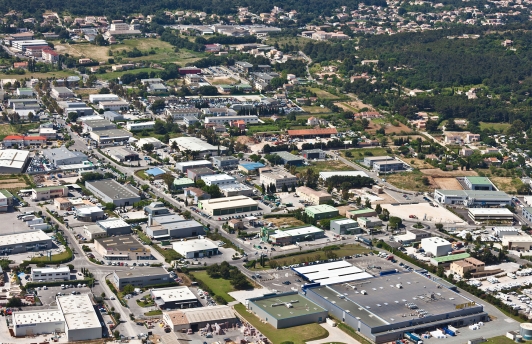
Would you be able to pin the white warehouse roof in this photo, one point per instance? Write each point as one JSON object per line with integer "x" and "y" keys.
{"x": 173, "y": 294}
{"x": 78, "y": 311}
{"x": 332, "y": 273}
{"x": 183, "y": 247}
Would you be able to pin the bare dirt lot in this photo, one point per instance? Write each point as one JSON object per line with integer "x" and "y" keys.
{"x": 424, "y": 212}
{"x": 437, "y": 173}
{"x": 447, "y": 183}
{"x": 389, "y": 129}
{"x": 285, "y": 221}
{"x": 11, "y": 184}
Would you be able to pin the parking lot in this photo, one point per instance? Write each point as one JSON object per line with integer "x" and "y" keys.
{"x": 47, "y": 294}
{"x": 424, "y": 212}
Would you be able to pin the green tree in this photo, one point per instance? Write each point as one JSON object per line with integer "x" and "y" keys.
{"x": 128, "y": 289}
{"x": 395, "y": 221}
{"x": 148, "y": 147}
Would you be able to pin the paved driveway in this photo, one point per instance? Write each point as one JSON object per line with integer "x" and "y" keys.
{"x": 335, "y": 336}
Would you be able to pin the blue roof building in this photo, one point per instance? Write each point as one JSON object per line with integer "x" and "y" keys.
{"x": 250, "y": 166}
{"x": 155, "y": 172}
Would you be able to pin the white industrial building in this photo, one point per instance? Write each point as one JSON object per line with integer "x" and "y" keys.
{"x": 174, "y": 298}
{"x": 517, "y": 242}
{"x": 196, "y": 248}
{"x": 81, "y": 321}
{"x": 230, "y": 119}
{"x": 436, "y": 246}
{"x": 505, "y": 231}
{"x": 194, "y": 144}
{"x": 61, "y": 273}
{"x": 472, "y": 197}
{"x": 490, "y": 214}
{"x": 75, "y": 316}
{"x": 184, "y": 166}
{"x": 140, "y": 126}
{"x": 13, "y": 160}
{"x": 96, "y": 98}
{"x": 149, "y": 140}
{"x": 332, "y": 273}
{"x": 218, "y": 179}
{"x": 37, "y": 322}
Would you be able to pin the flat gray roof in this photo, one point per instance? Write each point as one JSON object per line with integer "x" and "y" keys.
{"x": 275, "y": 305}
{"x": 152, "y": 271}
{"x": 113, "y": 133}
{"x": 384, "y": 302}
{"x": 288, "y": 156}
{"x": 61, "y": 153}
{"x": 113, "y": 189}
{"x": 121, "y": 243}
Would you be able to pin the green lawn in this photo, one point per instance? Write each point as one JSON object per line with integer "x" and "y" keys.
{"x": 114, "y": 75}
{"x": 328, "y": 165}
{"x": 297, "y": 334}
{"x": 10, "y": 129}
{"x": 154, "y": 312}
{"x": 500, "y": 340}
{"x": 252, "y": 129}
{"x": 360, "y": 153}
{"x": 323, "y": 94}
{"x": 151, "y": 133}
{"x": 169, "y": 254}
{"x": 346, "y": 250}
{"x": 314, "y": 110}
{"x": 495, "y": 126}
{"x": 219, "y": 286}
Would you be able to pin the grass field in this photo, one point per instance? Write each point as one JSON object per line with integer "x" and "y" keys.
{"x": 346, "y": 250}
{"x": 507, "y": 184}
{"x": 314, "y": 110}
{"x": 500, "y": 340}
{"x": 323, "y": 166}
{"x": 297, "y": 334}
{"x": 36, "y": 75}
{"x": 114, "y": 75}
{"x": 219, "y": 286}
{"x": 10, "y": 129}
{"x": 323, "y": 94}
{"x": 252, "y": 129}
{"x": 360, "y": 153}
{"x": 408, "y": 181}
{"x": 164, "y": 52}
{"x": 495, "y": 126}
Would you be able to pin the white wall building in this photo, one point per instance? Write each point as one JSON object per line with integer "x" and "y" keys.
{"x": 81, "y": 321}
{"x": 436, "y": 246}
{"x": 37, "y": 322}
{"x": 61, "y": 273}
{"x": 140, "y": 126}
{"x": 218, "y": 179}
{"x": 195, "y": 248}
{"x": 96, "y": 98}
{"x": 229, "y": 119}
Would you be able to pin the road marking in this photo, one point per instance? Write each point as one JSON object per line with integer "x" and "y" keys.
{"x": 509, "y": 320}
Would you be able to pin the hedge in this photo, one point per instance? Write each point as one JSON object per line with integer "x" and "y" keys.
{"x": 267, "y": 216}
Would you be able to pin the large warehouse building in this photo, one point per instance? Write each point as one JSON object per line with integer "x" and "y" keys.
{"x": 124, "y": 247}
{"x": 196, "y": 318}
{"x": 75, "y": 316}
{"x": 471, "y": 198}
{"x": 388, "y": 308}
{"x": 174, "y": 298}
{"x": 194, "y": 144}
{"x": 228, "y": 205}
{"x": 184, "y": 166}
{"x": 153, "y": 276}
{"x": 331, "y": 273}
{"x": 111, "y": 191}
{"x": 436, "y": 246}
{"x": 24, "y": 242}
{"x": 491, "y": 215}
{"x": 13, "y": 161}
{"x": 197, "y": 248}
{"x": 287, "y": 310}
{"x": 172, "y": 226}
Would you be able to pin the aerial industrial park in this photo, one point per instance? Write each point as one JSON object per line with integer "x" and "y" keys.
{"x": 239, "y": 195}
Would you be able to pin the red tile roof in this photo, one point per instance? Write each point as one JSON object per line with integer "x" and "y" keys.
{"x": 303, "y": 132}
{"x": 13, "y": 137}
